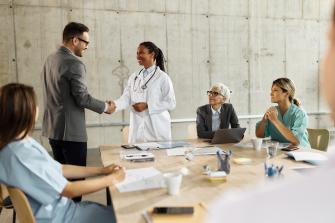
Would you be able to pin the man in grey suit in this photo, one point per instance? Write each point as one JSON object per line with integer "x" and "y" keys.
{"x": 66, "y": 97}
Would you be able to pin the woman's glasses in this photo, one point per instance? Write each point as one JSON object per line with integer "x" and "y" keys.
{"x": 213, "y": 93}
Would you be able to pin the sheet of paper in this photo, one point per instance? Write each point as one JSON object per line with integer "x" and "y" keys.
{"x": 196, "y": 151}
{"x": 311, "y": 157}
{"x": 248, "y": 144}
{"x": 178, "y": 151}
{"x": 141, "y": 179}
{"x": 173, "y": 144}
{"x": 244, "y": 144}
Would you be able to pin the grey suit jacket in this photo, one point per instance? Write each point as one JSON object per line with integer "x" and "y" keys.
{"x": 204, "y": 119}
{"x": 66, "y": 97}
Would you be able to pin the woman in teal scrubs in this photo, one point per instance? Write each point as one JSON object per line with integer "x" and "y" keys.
{"x": 286, "y": 122}
{"x": 25, "y": 164}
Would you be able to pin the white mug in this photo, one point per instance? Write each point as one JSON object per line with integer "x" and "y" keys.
{"x": 257, "y": 143}
{"x": 173, "y": 182}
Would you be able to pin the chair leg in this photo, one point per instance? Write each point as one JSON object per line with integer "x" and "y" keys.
{"x": 0, "y": 210}
{"x": 108, "y": 197}
{"x": 14, "y": 216}
{"x": 110, "y": 204}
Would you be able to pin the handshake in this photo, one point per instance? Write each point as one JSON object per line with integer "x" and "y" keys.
{"x": 110, "y": 107}
{"x": 139, "y": 107}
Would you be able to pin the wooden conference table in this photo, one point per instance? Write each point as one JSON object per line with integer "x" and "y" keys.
{"x": 195, "y": 187}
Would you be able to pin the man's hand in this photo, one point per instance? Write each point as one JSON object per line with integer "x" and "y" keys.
{"x": 140, "y": 106}
{"x": 111, "y": 107}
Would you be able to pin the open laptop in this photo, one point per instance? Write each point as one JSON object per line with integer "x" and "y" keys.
{"x": 223, "y": 136}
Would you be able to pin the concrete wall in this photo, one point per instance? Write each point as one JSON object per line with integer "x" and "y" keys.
{"x": 245, "y": 44}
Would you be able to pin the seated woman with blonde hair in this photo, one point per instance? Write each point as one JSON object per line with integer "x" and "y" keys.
{"x": 286, "y": 122}
{"x": 218, "y": 114}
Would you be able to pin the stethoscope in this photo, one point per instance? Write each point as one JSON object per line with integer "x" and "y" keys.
{"x": 144, "y": 86}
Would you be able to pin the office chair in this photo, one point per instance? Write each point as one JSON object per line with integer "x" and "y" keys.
{"x": 318, "y": 138}
{"x": 21, "y": 205}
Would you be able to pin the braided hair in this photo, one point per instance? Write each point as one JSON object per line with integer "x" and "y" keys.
{"x": 158, "y": 54}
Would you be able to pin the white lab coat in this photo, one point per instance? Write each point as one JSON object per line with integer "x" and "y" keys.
{"x": 153, "y": 124}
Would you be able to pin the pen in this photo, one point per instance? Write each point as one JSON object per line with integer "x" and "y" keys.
{"x": 201, "y": 204}
{"x": 209, "y": 146}
{"x": 280, "y": 169}
{"x": 146, "y": 216}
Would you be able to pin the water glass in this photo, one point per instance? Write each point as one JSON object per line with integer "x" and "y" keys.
{"x": 271, "y": 149}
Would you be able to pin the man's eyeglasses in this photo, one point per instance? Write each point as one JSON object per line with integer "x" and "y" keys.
{"x": 83, "y": 40}
{"x": 213, "y": 93}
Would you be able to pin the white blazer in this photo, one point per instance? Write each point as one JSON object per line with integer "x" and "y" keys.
{"x": 153, "y": 124}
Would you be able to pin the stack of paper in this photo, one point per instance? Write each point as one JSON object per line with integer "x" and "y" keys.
{"x": 141, "y": 179}
{"x": 310, "y": 157}
{"x": 195, "y": 151}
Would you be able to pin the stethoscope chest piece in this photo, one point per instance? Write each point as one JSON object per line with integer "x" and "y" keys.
{"x": 144, "y": 86}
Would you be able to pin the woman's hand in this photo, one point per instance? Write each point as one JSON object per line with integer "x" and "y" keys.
{"x": 117, "y": 175}
{"x": 110, "y": 169}
{"x": 272, "y": 114}
{"x": 140, "y": 106}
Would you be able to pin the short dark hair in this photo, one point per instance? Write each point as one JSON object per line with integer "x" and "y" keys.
{"x": 17, "y": 112}
{"x": 73, "y": 29}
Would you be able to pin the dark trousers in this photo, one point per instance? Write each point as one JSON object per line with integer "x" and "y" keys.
{"x": 67, "y": 152}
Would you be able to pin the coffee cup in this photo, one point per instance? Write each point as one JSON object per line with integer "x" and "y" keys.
{"x": 173, "y": 182}
{"x": 257, "y": 143}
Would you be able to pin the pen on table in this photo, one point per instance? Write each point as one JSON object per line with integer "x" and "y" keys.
{"x": 209, "y": 146}
{"x": 146, "y": 217}
{"x": 204, "y": 206}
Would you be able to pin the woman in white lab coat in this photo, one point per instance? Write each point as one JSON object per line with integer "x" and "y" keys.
{"x": 150, "y": 95}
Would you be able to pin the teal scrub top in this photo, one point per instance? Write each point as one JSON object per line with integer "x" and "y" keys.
{"x": 295, "y": 119}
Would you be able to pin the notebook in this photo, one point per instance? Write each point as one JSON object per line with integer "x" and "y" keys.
{"x": 309, "y": 157}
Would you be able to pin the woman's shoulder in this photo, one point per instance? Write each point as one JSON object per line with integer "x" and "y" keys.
{"x": 203, "y": 107}
{"x": 162, "y": 74}
{"x": 227, "y": 107}
{"x": 298, "y": 111}
{"x": 17, "y": 148}
{"x": 22, "y": 147}
{"x": 134, "y": 74}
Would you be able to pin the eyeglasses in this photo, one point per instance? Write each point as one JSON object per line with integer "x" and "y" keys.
{"x": 83, "y": 40}
{"x": 213, "y": 93}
